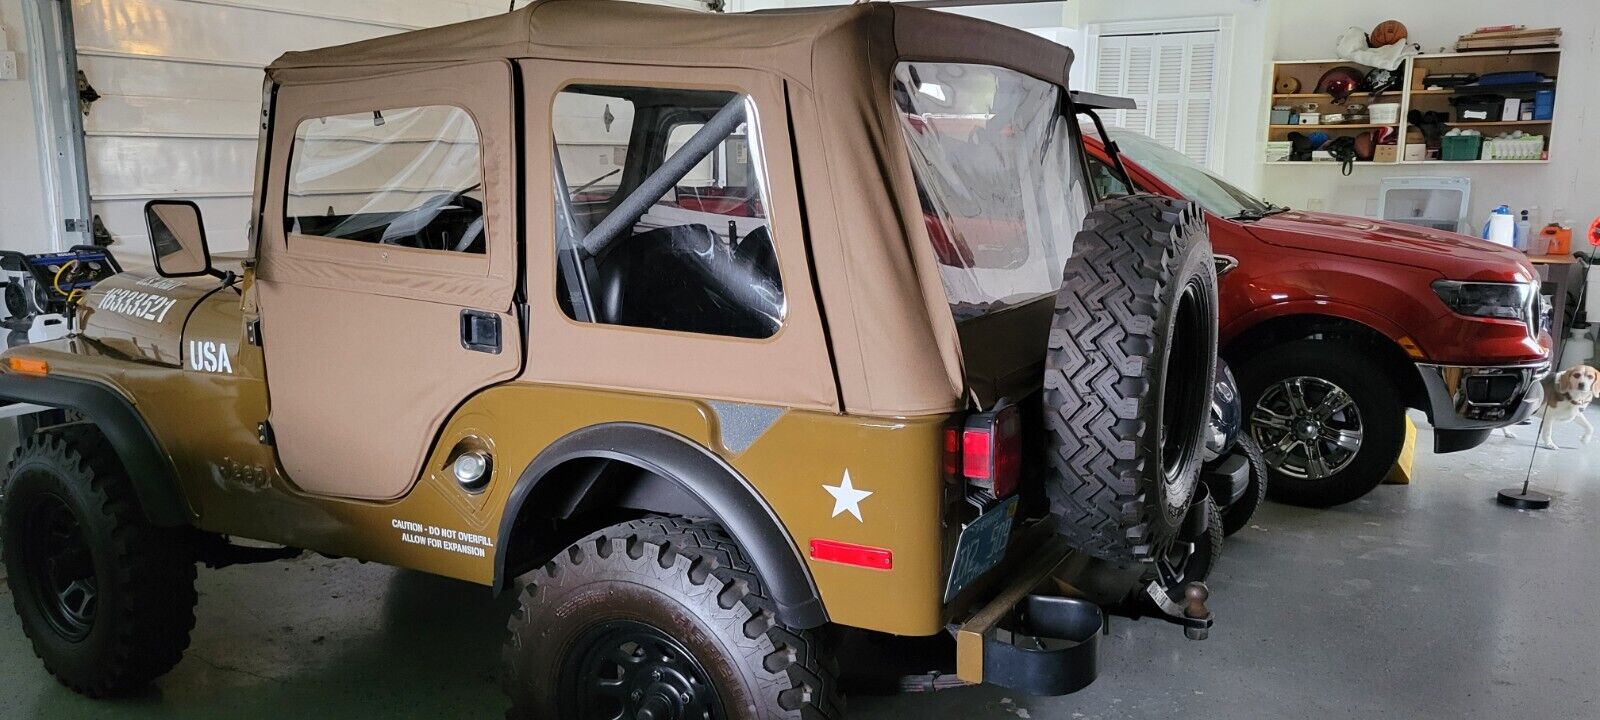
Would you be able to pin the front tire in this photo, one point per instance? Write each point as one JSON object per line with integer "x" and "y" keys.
{"x": 106, "y": 599}
{"x": 1328, "y": 419}
{"x": 660, "y": 618}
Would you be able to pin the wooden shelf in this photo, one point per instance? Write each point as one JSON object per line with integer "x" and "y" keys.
{"x": 1319, "y": 96}
{"x": 1498, "y": 123}
{"x": 1329, "y": 163}
{"x": 1415, "y": 95}
{"x": 1334, "y": 126}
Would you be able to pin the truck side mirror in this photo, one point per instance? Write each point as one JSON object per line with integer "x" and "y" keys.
{"x": 177, "y": 238}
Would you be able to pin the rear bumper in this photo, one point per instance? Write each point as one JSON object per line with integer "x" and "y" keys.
{"x": 1468, "y": 397}
{"x": 1033, "y": 643}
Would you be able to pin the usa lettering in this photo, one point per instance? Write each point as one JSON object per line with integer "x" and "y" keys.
{"x": 207, "y": 356}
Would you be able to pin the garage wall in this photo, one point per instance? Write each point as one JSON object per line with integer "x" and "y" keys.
{"x": 180, "y": 85}
{"x": 24, "y": 217}
{"x": 1569, "y": 183}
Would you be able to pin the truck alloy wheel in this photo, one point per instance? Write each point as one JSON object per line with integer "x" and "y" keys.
{"x": 1327, "y": 417}
{"x": 57, "y": 562}
{"x": 1128, "y": 378}
{"x": 1307, "y": 427}
{"x": 628, "y": 669}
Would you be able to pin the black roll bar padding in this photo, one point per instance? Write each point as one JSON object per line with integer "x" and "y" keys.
{"x": 666, "y": 177}
{"x": 572, "y": 269}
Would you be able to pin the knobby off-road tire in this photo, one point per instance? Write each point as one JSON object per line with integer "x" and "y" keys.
{"x": 106, "y": 599}
{"x": 677, "y": 588}
{"x": 1236, "y": 516}
{"x": 1128, "y": 380}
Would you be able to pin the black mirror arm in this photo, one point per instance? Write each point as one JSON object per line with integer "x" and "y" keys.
{"x": 1112, "y": 150}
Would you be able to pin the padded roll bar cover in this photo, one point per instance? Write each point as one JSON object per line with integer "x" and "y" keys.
{"x": 150, "y": 470}
{"x": 1096, "y": 101}
{"x": 719, "y": 488}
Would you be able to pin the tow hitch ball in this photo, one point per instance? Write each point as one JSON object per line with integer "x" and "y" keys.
{"x": 1181, "y": 603}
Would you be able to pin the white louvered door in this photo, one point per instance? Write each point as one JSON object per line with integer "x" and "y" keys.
{"x": 1172, "y": 77}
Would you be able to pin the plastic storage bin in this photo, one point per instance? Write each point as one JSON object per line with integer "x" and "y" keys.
{"x": 1460, "y": 147}
{"x": 1544, "y": 104}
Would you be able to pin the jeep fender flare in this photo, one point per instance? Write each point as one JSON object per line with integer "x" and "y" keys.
{"x": 150, "y": 470}
{"x": 724, "y": 494}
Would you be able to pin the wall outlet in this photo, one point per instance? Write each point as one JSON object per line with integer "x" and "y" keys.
{"x": 8, "y": 65}
{"x": 1316, "y": 204}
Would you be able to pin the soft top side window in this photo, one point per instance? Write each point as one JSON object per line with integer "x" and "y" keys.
{"x": 675, "y": 236}
{"x": 407, "y": 177}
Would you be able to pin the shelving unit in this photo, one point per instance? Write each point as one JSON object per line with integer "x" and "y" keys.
{"x": 1415, "y": 94}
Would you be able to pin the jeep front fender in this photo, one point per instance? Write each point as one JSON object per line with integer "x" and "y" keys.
{"x": 149, "y": 469}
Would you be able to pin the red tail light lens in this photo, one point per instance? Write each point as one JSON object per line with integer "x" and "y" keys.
{"x": 991, "y": 450}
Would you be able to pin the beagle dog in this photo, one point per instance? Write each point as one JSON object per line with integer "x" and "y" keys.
{"x": 1566, "y": 395}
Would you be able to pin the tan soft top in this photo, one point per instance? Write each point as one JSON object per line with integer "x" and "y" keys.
{"x": 777, "y": 41}
{"x": 895, "y": 349}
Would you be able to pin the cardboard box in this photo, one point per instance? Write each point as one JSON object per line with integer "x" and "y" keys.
{"x": 1278, "y": 150}
{"x": 1386, "y": 153}
{"x": 1416, "y": 151}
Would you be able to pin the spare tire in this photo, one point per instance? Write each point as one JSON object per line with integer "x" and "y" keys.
{"x": 1128, "y": 377}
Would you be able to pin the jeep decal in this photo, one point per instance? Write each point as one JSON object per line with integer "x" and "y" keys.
{"x": 133, "y": 303}
{"x": 208, "y": 356}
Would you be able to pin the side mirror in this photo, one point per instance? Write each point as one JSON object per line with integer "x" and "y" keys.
{"x": 177, "y": 238}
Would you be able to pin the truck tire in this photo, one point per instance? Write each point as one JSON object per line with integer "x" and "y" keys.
{"x": 1237, "y": 515}
{"x": 1196, "y": 565}
{"x": 106, "y": 599}
{"x": 661, "y": 618}
{"x": 1329, "y": 420}
{"x": 1128, "y": 377}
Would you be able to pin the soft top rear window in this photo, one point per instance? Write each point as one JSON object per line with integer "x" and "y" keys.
{"x": 992, "y": 157}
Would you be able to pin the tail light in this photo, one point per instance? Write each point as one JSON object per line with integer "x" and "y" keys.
{"x": 986, "y": 450}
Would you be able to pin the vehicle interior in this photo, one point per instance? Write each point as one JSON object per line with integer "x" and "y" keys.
{"x": 676, "y": 238}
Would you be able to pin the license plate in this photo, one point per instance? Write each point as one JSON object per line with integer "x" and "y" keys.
{"x": 981, "y": 547}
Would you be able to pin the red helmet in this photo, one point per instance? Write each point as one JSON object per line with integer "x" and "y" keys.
{"x": 1340, "y": 82}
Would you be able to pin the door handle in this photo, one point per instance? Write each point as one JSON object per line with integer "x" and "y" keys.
{"x": 480, "y": 331}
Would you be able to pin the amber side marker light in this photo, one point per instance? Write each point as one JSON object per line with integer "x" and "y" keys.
{"x": 28, "y": 366}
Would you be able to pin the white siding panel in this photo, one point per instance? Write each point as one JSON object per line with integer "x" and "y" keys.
{"x": 168, "y": 166}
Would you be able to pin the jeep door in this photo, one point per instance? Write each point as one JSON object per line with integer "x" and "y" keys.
{"x": 387, "y": 265}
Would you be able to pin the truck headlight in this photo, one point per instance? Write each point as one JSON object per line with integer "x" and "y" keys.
{"x": 1510, "y": 301}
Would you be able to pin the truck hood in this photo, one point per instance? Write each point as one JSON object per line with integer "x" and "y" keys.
{"x": 140, "y": 315}
{"x": 1457, "y": 257}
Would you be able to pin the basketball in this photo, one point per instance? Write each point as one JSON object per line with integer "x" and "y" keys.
{"x": 1387, "y": 33}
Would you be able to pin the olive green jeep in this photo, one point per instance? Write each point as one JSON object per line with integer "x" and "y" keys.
{"x": 707, "y": 333}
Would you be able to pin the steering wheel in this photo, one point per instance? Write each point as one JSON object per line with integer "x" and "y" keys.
{"x": 406, "y": 229}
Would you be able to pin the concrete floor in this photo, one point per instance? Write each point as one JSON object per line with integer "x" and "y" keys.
{"x": 1428, "y": 601}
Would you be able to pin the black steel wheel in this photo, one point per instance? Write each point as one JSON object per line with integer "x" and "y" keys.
{"x": 628, "y": 670}
{"x": 56, "y": 557}
{"x": 660, "y": 619}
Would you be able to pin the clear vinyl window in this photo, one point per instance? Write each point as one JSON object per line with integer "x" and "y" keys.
{"x": 993, "y": 160}
{"x": 661, "y": 212}
{"x": 408, "y": 177}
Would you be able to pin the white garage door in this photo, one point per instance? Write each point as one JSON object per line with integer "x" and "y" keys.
{"x": 180, "y": 90}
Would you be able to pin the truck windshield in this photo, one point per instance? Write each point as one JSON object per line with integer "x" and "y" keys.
{"x": 1217, "y": 196}
{"x": 993, "y": 162}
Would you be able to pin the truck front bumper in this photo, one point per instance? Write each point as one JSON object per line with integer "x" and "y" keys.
{"x": 1465, "y": 402}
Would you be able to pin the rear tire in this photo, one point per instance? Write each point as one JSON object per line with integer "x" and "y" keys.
{"x": 106, "y": 599}
{"x": 1373, "y": 423}
{"x": 1129, "y": 375}
{"x": 1236, "y": 516}
{"x": 671, "y": 614}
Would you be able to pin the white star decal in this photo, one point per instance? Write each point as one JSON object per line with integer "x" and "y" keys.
{"x": 846, "y": 498}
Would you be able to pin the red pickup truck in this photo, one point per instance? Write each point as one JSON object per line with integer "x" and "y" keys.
{"x": 1336, "y": 325}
